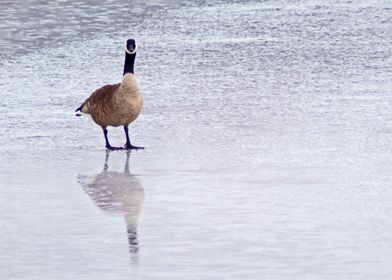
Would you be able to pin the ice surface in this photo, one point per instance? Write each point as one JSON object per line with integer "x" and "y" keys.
{"x": 267, "y": 127}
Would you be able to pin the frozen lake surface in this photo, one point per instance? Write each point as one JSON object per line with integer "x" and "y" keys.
{"x": 268, "y": 134}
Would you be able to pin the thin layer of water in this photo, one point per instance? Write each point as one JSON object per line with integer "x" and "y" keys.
{"x": 267, "y": 127}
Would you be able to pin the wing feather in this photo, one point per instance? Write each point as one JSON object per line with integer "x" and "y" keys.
{"x": 101, "y": 100}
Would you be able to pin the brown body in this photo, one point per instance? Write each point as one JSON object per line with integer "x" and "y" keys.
{"x": 115, "y": 105}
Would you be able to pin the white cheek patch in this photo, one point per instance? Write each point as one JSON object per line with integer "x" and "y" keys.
{"x": 132, "y": 52}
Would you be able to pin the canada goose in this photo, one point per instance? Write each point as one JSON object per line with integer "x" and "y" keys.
{"x": 117, "y": 104}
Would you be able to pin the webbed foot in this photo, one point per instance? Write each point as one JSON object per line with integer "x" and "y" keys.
{"x": 131, "y": 147}
{"x": 114, "y": 148}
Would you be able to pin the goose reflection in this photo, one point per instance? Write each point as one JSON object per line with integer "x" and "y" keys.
{"x": 118, "y": 192}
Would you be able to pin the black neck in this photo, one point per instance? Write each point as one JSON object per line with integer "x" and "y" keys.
{"x": 129, "y": 63}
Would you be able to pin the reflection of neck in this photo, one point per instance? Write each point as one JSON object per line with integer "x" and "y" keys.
{"x": 133, "y": 243}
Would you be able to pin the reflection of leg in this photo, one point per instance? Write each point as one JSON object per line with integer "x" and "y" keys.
{"x": 128, "y": 144}
{"x": 126, "y": 167}
{"x": 105, "y": 133}
{"x": 106, "y": 165}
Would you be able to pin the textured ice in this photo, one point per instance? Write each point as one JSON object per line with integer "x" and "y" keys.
{"x": 267, "y": 127}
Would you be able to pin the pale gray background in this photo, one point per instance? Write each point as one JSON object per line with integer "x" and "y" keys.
{"x": 267, "y": 127}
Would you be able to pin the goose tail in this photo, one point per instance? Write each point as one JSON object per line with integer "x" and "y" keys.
{"x": 79, "y": 109}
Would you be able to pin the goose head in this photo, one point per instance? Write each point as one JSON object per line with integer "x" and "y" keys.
{"x": 131, "y": 47}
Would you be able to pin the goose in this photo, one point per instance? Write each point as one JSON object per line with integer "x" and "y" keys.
{"x": 116, "y": 104}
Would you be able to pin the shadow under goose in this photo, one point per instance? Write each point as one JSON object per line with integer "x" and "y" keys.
{"x": 118, "y": 192}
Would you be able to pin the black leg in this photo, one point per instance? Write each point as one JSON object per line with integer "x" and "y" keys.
{"x": 105, "y": 132}
{"x": 128, "y": 144}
